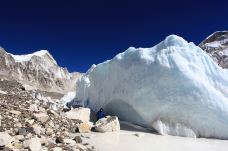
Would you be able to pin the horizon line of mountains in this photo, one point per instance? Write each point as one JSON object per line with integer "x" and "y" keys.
{"x": 39, "y": 70}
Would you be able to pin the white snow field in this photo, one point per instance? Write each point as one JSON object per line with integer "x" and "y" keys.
{"x": 173, "y": 87}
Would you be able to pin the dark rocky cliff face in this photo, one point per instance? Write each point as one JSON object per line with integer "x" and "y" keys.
{"x": 217, "y": 46}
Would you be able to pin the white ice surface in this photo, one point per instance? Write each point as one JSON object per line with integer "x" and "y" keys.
{"x": 173, "y": 87}
{"x": 68, "y": 97}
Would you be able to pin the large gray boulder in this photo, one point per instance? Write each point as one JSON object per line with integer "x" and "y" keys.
{"x": 108, "y": 124}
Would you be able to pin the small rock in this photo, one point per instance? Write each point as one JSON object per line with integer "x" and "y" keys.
{"x": 19, "y": 137}
{"x": 22, "y": 88}
{"x": 41, "y": 109}
{"x": 50, "y": 144}
{"x": 26, "y": 143}
{"x": 33, "y": 108}
{"x": 34, "y": 144}
{"x": 74, "y": 129}
{"x": 138, "y": 134}
{"x": 69, "y": 142}
{"x": 37, "y": 129}
{"x": 30, "y": 121}
{"x": 17, "y": 145}
{"x": 81, "y": 147}
{"x": 18, "y": 125}
{"x": 49, "y": 131}
{"x": 57, "y": 149}
{"x": 85, "y": 127}
{"x": 29, "y": 129}
{"x": 78, "y": 139}
{"x": 29, "y": 135}
{"x": 51, "y": 124}
{"x": 22, "y": 131}
{"x": 8, "y": 147}
{"x": 59, "y": 140}
{"x": 15, "y": 112}
{"x": 5, "y": 138}
{"x": 52, "y": 112}
{"x": 43, "y": 140}
{"x": 42, "y": 117}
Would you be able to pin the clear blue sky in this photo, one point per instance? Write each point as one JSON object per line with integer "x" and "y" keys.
{"x": 79, "y": 33}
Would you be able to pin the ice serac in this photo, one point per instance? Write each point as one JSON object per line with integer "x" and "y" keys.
{"x": 217, "y": 46}
{"x": 173, "y": 87}
{"x": 38, "y": 70}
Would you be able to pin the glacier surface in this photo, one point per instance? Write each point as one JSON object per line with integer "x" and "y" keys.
{"x": 173, "y": 87}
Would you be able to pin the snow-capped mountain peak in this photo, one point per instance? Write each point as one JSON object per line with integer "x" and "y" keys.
{"x": 28, "y": 57}
{"x": 39, "y": 69}
{"x": 217, "y": 46}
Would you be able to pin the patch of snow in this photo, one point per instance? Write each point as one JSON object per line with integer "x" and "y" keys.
{"x": 61, "y": 74}
{"x": 173, "y": 87}
{"x": 224, "y": 52}
{"x": 23, "y": 58}
{"x": 214, "y": 44}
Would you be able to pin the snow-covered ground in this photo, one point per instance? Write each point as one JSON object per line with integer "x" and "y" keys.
{"x": 131, "y": 138}
{"x": 174, "y": 87}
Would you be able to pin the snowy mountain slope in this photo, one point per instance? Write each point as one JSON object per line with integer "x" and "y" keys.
{"x": 173, "y": 87}
{"x": 28, "y": 57}
{"x": 217, "y": 46}
{"x": 38, "y": 70}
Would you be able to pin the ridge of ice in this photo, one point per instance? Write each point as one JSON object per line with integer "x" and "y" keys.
{"x": 173, "y": 87}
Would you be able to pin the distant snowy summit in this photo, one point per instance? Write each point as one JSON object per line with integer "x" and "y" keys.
{"x": 174, "y": 88}
{"x": 28, "y": 57}
{"x": 38, "y": 70}
{"x": 217, "y": 46}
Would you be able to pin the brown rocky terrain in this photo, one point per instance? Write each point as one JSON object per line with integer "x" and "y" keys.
{"x": 31, "y": 121}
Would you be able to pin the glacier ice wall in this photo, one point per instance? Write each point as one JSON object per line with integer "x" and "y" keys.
{"x": 173, "y": 87}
